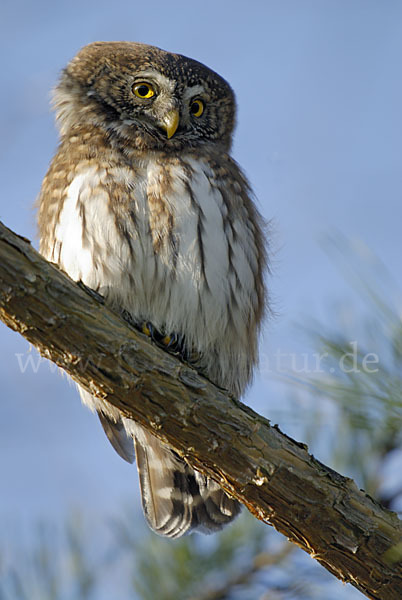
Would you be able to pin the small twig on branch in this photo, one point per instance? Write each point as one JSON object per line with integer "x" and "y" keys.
{"x": 275, "y": 477}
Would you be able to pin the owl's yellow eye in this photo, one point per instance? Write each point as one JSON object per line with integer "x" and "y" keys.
{"x": 143, "y": 90}
{"x": 197, "y": 108}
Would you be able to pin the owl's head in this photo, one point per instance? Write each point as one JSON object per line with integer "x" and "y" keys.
{"x": 146, "y": 97}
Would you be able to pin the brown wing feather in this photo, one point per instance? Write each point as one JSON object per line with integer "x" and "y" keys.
{"x": 117, "y": 436}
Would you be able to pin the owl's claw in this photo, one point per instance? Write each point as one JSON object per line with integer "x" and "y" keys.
{"x": 172, "y": 342}
{"x": 148, "y": 329}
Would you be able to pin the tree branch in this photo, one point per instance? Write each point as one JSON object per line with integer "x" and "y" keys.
{"x": 321, "y": 511}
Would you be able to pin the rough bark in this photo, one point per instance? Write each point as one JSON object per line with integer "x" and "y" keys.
{"x": 324, "y": 513}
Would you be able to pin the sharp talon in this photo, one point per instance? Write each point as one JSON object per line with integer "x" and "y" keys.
{"x": 147, "y": 329}
{"x": 167, "y": 340}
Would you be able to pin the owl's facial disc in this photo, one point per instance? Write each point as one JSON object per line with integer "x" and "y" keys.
{"x": 166, "y": 106}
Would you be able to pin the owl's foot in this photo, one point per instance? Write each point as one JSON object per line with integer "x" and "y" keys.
{"x": 171, "y": 342}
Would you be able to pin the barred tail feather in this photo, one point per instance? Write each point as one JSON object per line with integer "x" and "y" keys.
{"x": 177, "y": 499}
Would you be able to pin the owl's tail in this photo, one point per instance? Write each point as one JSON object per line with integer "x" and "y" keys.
{"x": 176, "y": 498}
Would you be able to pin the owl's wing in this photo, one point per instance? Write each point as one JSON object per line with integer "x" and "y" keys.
{"x": 175, "y": 497}
{"x": 117, "y": 436}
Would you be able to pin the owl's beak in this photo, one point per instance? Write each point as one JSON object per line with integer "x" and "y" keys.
{"x": 170, "y": 122}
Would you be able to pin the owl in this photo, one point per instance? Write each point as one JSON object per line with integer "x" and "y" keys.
{"x": 144, "y": 204}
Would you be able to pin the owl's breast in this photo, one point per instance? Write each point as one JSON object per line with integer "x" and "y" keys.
{"x": 167, "y": 242}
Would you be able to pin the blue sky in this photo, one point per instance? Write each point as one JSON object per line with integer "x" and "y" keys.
{"x": 319, "y": 135}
